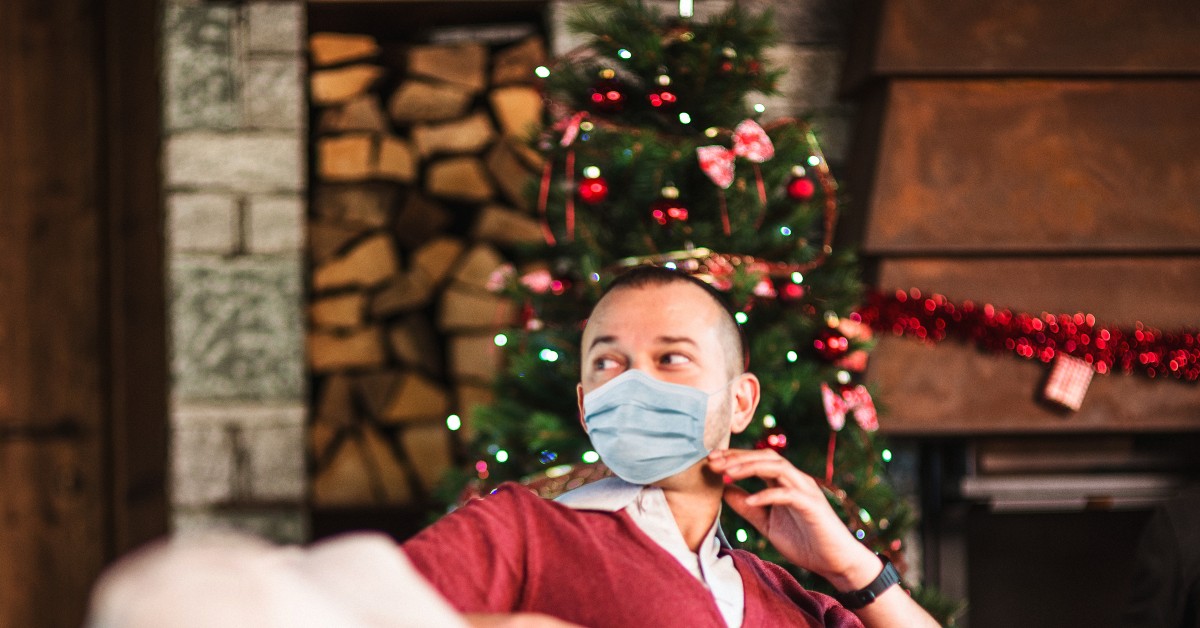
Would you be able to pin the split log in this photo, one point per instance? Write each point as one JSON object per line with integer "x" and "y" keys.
{"x": 335, "y": 406}
{"x": 436, "y": 258}
{"x": 321, "y": 437}
{"x": 463, "y": 65}
{"x": 405, "y": 292}
{"x": 364, "y": 113}
{"x": 360, "y": 349}
{"x": 512, "y": 176}
{"x": 468, "y": 135}
{"x": 460, "y": 179}
{"x": 518, "y": 109}
{"x": 419, "y": 220}
{"x": 345, "y": 157}
{"x": 396, "y": 161}
{"x": 331, "y": 87}
{"x": 414, "y": 343}
{"x": 516, "y": 63}
{"x": 475, "y": 358}
{"x": 367, "y": 204}
{"x": 325, "y": 240}
{"x": 390, "y": 479}
{"x": 427, "y": 446}
{"x": 503, "y": 226}
{"x": 369, "y": 263}
{"x": 463, "y": 309}
{"x": 476, "y": 267}
{"x": 375, "y": 389}
{"x": 418, "y": 101}
{"x": 416, "y": 397}
{"x": 346, "y": 479}
{"x": 332, "y": 48}
{"x": 468, "y": 397}
{"x": 338, "y": 312}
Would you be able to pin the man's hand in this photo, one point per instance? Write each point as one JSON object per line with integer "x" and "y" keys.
{"x": 794, "y": 515}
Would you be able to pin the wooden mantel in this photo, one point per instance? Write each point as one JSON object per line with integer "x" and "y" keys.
{"x": 1042, "y": 157}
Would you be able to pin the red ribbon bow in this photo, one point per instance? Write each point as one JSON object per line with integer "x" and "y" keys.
{"x": 750, "y": 142}
{"x": 857, "y": 400}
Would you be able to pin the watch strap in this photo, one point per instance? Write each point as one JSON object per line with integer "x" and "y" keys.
{"x": 859, "y": 598}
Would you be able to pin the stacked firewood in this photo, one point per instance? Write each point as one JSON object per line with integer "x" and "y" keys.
{"x": 420, "y": 172}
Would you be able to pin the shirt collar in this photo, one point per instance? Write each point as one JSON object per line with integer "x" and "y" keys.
{"x": 612, "y": 494}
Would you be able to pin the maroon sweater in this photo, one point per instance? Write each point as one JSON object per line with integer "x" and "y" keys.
{"x": 517, "y": 552}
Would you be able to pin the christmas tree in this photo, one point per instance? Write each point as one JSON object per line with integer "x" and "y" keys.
{"x": 655, "y": 152}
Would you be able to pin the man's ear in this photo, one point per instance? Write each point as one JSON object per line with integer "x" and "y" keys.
{"x": 746, "y": 391}
{"x": 579, "y": 402}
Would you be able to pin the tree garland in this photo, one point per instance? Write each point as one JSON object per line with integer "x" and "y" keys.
{"x": 1148, "y": 351}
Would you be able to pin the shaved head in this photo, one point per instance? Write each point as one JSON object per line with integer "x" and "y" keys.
{"x": 732, "y": 338}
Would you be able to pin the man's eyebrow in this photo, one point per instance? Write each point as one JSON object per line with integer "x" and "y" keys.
{"x": 666, "y": 340}
{"x": 602, "y": 340}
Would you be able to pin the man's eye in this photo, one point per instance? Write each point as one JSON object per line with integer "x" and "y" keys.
{"x": 604, "y": 363}
{"x": 674, "y": 358}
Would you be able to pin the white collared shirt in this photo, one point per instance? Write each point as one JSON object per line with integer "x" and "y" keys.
{"x": 647, "y": 506}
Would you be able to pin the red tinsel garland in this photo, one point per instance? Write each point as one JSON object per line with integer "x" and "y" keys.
{"x": 933, "y": 318}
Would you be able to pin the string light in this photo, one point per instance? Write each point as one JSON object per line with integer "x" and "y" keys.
{"x": 813, "y": 160}
{"x": 500, "y": 340}
{"x": 792, "y": 356}
{"x": 542, "y": 71}
{"x": 843, "y": 377}
{"x": 797, "y": 277}
{"x": 590, "y": 457}
{"x": 742, "y": 535}
{"x": 759, "y": 107}
{"x": 886, "y": 455}
{"x": 684, "y": 117}
{"x": 501, "y": 456}
{"x": 548, "y": 355}
{"x": 453, "y": 422}
{"x": 785, "y": 231}
{"x": 624, "y": 54}
{"x": 741, "y": 318}
{"x": 591, "y": 172}
{"x": 769, "y": 421}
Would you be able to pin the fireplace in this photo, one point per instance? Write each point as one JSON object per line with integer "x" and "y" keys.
{"x": 1042, "y": 531}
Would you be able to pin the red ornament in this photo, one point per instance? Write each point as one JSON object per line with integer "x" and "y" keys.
{"x": 800, "y": 188}
{"x": 593, "y": 190}
{"x": 662, "y": 99}
{"x": 791, "y": 291}
{"x": 774, "y": 439}
{"x": 831, "y": 344}
{"x": 607, "y": 95}
{"x": 668, "y": 209}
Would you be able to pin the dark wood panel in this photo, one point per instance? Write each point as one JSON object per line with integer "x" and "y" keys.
{"x": 1162, "y": 292}
{"x": 952, "y": 388}
{"x": 1027, "y": 37}
{"x": 1036, "y": 166}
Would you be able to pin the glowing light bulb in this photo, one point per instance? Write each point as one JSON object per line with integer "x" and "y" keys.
{"x": 501, "y": 456}
{"x": 742, "y": 535}
{"x": 624, "y": 54}
{"x": 542, "y": 71}
{"x": 741, "y": 318}
{"x": 453, "y": 422}
{"x": 684, "y": 117}
{"x": 769, "y": 421}
{"x": 590, "y": 457}
{"x": 500, "y": 340}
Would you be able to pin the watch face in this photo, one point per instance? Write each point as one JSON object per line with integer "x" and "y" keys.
{"x": 854, "y": 600}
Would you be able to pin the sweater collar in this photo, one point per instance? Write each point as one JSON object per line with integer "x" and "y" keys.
{"x": 612, "y": 494}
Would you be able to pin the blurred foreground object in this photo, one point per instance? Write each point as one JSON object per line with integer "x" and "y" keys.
{"x": 227, "y": 580}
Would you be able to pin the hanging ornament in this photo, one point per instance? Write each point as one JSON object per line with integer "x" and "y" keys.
{"x": 593, "y": 189}
{"x": 607, "y": 94}
{"x": 800, "y": 188}
{"x": 662, "y": 96}
{"x": 668, "y": 209}
{"x": 790, "y": 291}
{"x": 775, "y": 439}
{"x": 830, "y": 344}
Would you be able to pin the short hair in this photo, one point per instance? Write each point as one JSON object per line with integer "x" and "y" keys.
{"x": 647, "y": 275}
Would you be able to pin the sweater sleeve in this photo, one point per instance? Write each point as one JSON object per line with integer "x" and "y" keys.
{"x": 475, "y": 556}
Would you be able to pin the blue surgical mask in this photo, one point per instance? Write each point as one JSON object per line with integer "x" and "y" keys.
{"x": 646, "y": 429}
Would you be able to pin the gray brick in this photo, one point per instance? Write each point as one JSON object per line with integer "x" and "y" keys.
{"x": 237, "y": 329}
{"x": 262, "y": 446}
{"x": 199, "y": 67}
{"x": 202, "y": 223}
{"x": 274, "y": 26}
{"x": 274, "y": 93}
{"x": 274, "y": 224}
{"x": 281, "y": 525}
{"x": 250, "y": 162}
{"x": 812, "y": 80}
{"x": 809, "y": 21}
{"x": 202, "y": 465}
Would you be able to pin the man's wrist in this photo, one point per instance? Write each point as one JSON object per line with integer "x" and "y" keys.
{"x": 862, "y": 596}
{"x": 860, "y": 571}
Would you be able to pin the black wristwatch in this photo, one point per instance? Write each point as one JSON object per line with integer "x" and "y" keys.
{"x": 855, "y": 600}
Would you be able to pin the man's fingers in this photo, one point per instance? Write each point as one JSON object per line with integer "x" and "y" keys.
{"x": 773, "y": 497}
{"x": 737, "y": 498}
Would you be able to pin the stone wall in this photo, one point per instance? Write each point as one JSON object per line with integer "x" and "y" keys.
{"x": 234, "y": 179}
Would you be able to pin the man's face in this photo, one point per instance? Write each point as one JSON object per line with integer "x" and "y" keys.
{"x": 672, "y": 332}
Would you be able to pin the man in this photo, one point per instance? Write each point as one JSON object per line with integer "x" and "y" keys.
{"x": 662, "y": 389}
